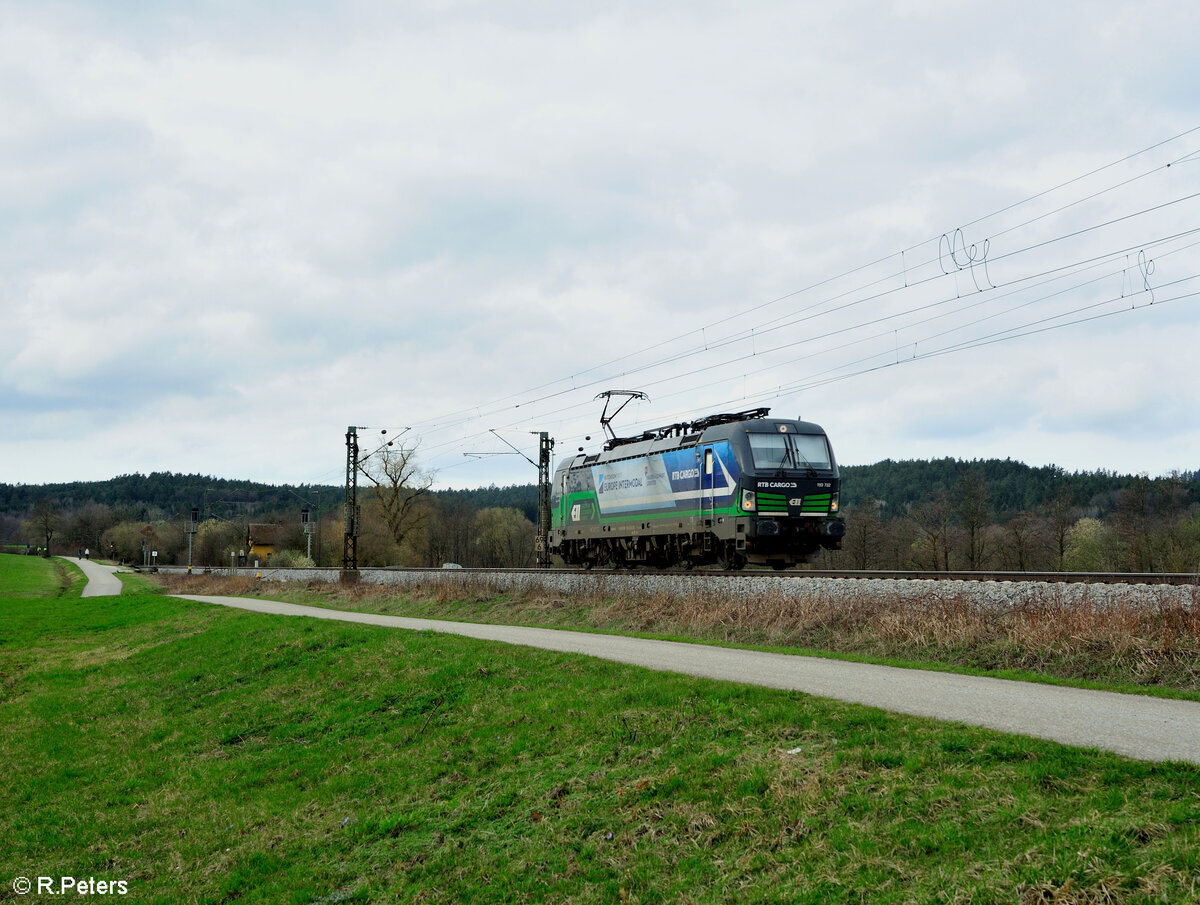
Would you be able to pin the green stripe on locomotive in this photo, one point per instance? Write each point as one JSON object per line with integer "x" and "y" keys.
{"x": 590, "y": 516}
{"x": 772, "y": 503}
{"x": 817, "y": 503}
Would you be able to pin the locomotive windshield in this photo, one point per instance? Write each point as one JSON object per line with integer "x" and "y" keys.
{"x": 789, "y": 451}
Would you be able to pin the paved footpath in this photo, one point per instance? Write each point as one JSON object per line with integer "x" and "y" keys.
{"x": 1134, "y": 725}
{"x": 101, "y": 580}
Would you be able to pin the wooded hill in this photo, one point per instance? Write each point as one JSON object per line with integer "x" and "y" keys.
{"x": 939, "y": 514}
{"x": 164, "y": 495}
{"x": 168, "y": 495}
{"x": 1014, "y": 487}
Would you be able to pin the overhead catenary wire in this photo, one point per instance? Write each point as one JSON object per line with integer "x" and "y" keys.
{"x": 878, "y": 296}
{"x": 978, "y": 343}
{"x": 541, "y": 404}
{"x": 527, "y": 398}
{"x": 988, "y": 297}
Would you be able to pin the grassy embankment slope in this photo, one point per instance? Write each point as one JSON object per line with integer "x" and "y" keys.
{"x": 207, "y": 755}
{"x": 1093, "y": 641}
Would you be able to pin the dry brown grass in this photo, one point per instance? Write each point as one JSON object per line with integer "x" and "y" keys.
{"x": 1048, "y": 631}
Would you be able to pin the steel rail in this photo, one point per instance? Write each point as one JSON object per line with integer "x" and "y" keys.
{"x": 1148, "y": 578}
{"x": 1173, "y": 578}
{"x": 1135, "y": 578}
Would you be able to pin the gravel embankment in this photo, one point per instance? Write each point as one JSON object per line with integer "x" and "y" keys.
{"x": 1001, "y": 595}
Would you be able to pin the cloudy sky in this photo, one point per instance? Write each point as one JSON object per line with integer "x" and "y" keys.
{"x": 230, "y": 230}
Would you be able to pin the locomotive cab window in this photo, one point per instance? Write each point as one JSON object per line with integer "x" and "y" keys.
{"x": 789, "y": 451}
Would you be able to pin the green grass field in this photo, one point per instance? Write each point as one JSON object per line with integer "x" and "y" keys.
{"x": 32, "y": 576}
{"x": 207, "y": 755}
{"x": 1126, "y": 646}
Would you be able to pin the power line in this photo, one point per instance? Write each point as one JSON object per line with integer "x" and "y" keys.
{"x": 810, "y": 312}
{"x": 1056, "y": 273}
{"x": 478, "y": 409}
{"x": 538, "y": 402}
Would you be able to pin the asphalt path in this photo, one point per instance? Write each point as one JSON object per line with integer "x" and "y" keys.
{"x": 1146, "y": 728}
{"x": 102, "y": 582}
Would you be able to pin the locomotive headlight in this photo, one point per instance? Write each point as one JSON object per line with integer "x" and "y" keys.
{"x": 748, "y": 504}
{"x": 833, "y": 503}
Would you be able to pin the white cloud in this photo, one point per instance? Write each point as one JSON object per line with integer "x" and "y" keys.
{"x": 240, "y": 231}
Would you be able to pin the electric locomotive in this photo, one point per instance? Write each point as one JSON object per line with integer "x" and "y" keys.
{"x": 732, "y": 489}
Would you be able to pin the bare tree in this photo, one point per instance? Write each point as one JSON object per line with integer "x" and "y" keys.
{"x": 44, "y": 521}
{"x": 932, "y": 520}
{"x": 10, "y": 528}
{"x": 1023, "y": 537}
{"x": 864, "y": 536}
{"x": 1132, "y": 524}
{"x": 83, "y": 526}
{"x": 1174, "y": 529}
{"x": 1183, "y": 544}
{"x": 1062, "y": 515}
{"x": 376, "y": 546}
{"x": 399, "y": 486}
{"x": 972, "y": 506}
{"x": 450, "y": 534}
{"x": 896, "y": 544}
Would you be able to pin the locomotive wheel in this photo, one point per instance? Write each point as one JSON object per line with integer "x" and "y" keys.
{"x": 730, "y": 560}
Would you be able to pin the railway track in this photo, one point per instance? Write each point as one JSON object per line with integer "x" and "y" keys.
{"x": 1172, "y": 578}
{"x": 1108, "y": 578}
